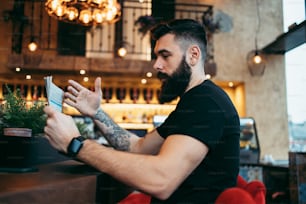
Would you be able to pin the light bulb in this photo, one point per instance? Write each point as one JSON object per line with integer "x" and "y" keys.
{"x": 98, "y": 16}
{"x": 85, "y": 16}
{"x": 149, "y": 74}
{"x": 60, "y": 11}
{"x": 257, "y": 59}
{"x": 85, "y": 79}
{"x": 122, "y": 51}
{"x": 32, "y": 46}
{"x": 72, "y": 13}
{"x": 143, "y": 81}
{"x": 54, "y": 4}
{"x": 82, "y": 72}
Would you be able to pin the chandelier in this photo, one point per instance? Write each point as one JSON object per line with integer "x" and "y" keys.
{"x": 84, "y": 12}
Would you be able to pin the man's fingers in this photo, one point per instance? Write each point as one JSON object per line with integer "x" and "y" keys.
{"x": 73, "y": 90}
{"x": 76, "y": 85}
{"x": 98, "y": 86}
{"x": 70, "y": 102}
{"x": 69, "y": 96}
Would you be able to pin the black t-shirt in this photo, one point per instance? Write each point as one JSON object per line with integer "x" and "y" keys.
{"x": 206, "y": 113}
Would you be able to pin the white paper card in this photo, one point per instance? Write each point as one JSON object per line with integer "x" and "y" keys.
{"x": 55, "y": 94}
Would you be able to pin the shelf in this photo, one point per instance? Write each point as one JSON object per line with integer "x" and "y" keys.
{"x": 295, "y": 37}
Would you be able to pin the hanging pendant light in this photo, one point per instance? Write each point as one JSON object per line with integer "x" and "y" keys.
{"x": 255, "y": 58}
{"x": 256, "y": 63}
{"x": 84, "y": 12}
{"x": 32, "y": 46}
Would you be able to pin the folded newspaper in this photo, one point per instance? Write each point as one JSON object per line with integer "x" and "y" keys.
{"x": 55, "y": 94}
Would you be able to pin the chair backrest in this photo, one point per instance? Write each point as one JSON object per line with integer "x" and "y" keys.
{"x": 253, "y": 192}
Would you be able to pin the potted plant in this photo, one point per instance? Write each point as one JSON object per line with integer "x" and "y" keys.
{"x": 16, "y": 119}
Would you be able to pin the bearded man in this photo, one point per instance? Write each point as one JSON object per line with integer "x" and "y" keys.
{"x": 191, "y": 157}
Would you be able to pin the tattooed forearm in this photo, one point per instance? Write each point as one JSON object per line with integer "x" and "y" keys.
{"x": 115, "y": 135}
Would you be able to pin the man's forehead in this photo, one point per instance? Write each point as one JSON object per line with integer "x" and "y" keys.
{"x": 165, "y": 44}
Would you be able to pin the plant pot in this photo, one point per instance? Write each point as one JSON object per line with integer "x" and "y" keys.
{"x": 19, "y": 132}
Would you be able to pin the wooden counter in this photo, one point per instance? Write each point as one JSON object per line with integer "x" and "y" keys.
{"x": 31, "y": 171}
{"x": 63, "y": 182}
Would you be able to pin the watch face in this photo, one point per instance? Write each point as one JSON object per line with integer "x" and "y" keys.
{"x": 74, "y": 146}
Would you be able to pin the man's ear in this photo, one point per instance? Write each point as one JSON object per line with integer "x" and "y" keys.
{"x": 193, "y": 55}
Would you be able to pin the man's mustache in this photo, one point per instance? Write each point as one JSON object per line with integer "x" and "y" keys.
{"x": 161, "y": 75}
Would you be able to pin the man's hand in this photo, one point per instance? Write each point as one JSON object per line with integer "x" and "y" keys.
{"x": 59, "y": 129}
{"x": 85, "y": 101}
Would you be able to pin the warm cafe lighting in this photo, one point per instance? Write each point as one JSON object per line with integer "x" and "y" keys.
{"x": 256, "y": 63}
{"x": 84, "y": 12}
{"x": 149, "y": 74}
{"x": 82, "y": 72}
{"x": 32, "y": 46}
{"x": 122, "y": 52}
{"x": 85, "y": 79}
{"x": 257, "y": 59}
{"x": 143, "y": 81}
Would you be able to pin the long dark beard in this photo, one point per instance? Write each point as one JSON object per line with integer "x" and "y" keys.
{"x": 176, "y": 84}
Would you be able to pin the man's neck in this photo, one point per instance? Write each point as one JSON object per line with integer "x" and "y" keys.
{"x": 195, "y": 82}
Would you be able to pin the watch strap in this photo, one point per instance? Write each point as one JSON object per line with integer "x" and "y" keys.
{"x": 80, "y": 138}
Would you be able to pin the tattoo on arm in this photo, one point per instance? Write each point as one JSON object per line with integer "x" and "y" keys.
{"x": 115, "y": 135}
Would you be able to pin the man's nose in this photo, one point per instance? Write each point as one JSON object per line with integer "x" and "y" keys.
{"x": 158, "y": 65}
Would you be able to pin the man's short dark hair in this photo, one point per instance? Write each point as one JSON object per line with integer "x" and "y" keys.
{"x": 183, "y": 29}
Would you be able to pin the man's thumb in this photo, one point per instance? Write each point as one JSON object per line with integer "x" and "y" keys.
{"x": 98, "y": 86}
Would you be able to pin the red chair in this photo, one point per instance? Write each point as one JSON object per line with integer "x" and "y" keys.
{"x": 253, "y": 192}
{"x": 136, "y": 198}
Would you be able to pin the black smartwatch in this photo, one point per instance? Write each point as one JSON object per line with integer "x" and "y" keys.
{"x": 75, "y": 146}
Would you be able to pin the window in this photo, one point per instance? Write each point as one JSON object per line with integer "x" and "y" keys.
{"x": 295, "y": 62}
